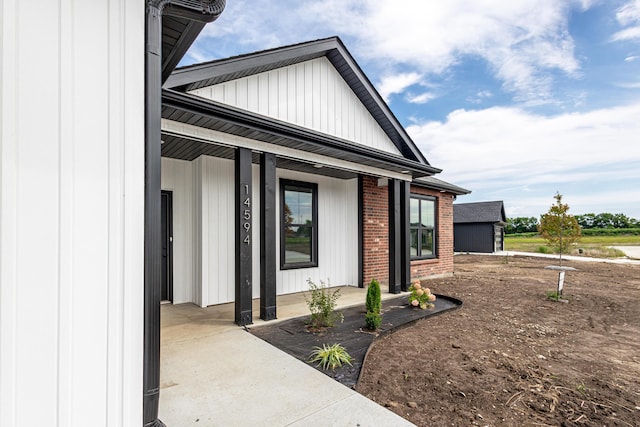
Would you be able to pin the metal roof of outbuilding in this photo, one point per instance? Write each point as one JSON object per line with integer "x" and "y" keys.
{"x": 479, "y": 212}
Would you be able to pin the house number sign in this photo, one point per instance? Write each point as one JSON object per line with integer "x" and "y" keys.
{"x": 246, "y": 216}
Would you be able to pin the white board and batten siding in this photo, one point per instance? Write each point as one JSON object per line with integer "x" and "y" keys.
{"x": 311, "y": 94}
{"x": 71, "y": 212}
{"x": 177, "y": 177}
{"x": 337, "y": 235}
{"x": 206, "y": 231}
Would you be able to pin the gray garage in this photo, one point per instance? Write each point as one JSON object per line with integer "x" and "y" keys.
{"x": 479, "y": 227}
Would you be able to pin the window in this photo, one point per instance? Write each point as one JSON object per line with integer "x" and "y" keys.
{"x": 299, "y": 224}
{"x": 423, "y": 227}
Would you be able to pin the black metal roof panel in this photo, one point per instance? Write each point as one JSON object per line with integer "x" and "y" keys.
{"x": 209, "y": 114}
{"x": 440, "y": 185}
{"x": 218, "y": 71}
{"x": 492, "y": 212}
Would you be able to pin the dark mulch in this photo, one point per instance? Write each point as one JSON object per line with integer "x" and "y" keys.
{"x": 293, "y": 336}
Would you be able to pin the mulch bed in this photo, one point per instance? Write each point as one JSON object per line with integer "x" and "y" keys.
{"x": 294, "y": 337}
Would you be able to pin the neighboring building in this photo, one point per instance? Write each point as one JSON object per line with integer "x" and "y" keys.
{"x": 479, "y": 227}
{"x": 275, "y": 167}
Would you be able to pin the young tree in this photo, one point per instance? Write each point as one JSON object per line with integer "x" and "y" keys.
{"x": 559, "y": 228}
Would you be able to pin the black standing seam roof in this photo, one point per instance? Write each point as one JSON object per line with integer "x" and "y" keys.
{"x": 492, "y": 212}
{"x": 218, "y": 71}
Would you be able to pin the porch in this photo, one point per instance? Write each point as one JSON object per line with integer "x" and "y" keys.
{"x": 215, "y": 373}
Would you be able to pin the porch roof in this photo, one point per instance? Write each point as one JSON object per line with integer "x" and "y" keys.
{"x": 438, "y": 184}
{"x": 196, "y": 111}
{"x": 214, "y": 72}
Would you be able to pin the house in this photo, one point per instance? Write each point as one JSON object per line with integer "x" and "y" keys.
{"x": 239, "y": 178}
{"x": 330, "y": 184}
{"x": 479, "y": 227}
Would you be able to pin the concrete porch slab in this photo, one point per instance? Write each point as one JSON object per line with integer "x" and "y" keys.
{"x": 214, "y": 373}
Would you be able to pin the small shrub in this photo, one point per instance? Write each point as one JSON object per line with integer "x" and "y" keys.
{"x": 332, "y": 356}
{"x": 553, "y": 295}
{"x": 420, "y": 296}
{"x": 373, "y": 318}
{"x": 322, "y": 305}
{"x": 374, "y": 299}
{"x": 544, "y": 250}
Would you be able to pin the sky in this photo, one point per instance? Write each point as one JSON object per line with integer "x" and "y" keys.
{"x": 514, "y": 99}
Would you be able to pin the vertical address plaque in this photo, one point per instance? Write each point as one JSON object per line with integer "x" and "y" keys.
{"x": 243, "y": 311}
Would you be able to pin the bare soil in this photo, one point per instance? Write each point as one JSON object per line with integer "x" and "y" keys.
{"x": 510, "y": 356}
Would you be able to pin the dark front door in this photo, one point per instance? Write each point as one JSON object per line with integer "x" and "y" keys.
{"x": 167, "y": 246}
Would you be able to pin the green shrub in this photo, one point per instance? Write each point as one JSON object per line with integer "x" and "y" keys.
{"x": 553, "y": 295}
{"x": 332, "y": 356}
{"x": 373, "y": 318}
{"x": 611, "y": 231}
{"x": 374, "y": 299}
{"x": 322, "y": 305}
{"x": 544, "y": 250}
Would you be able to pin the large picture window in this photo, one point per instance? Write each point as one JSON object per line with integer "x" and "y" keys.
{"x": 423, "y": 227}
{"x": 299, "y": 224}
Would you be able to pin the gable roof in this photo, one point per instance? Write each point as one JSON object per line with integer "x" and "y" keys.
{"x": 192, "y": 77}
{"x": 438, "y": 184}
{"x": 492, "y": 212}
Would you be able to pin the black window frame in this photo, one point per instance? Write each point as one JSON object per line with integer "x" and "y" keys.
{"x": 286, "y": 184}
{"x": 419, "y": 227}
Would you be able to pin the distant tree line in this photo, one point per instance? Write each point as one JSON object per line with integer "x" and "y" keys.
{"x": 586, "y": 221}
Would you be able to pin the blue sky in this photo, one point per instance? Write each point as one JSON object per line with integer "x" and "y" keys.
{"x": 514, "y": 100}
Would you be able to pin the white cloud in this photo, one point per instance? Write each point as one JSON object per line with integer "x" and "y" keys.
{"x": 397, "y": 83}
{"x": 503, "y": 150}
{"x": 628, "y": 15}
{"x": 631, "y": 58}
{"x": 421, "y": 98}
{"x": 627, "y": 34}
{"x": 480, "y": 97}
{"x": 521, "y": 41}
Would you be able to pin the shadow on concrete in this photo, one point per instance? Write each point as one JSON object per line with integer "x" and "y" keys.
{"x": 293, "y": 337}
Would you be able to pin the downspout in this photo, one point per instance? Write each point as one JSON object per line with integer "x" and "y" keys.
{"x": 195, "y": 10}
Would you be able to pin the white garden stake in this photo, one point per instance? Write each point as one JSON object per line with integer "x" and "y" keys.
{"x": 560, "y": 283}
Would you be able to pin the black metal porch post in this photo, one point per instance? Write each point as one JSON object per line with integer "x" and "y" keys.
{"x": 360, "y": 231}
{"x": 394, "y": 236}
{"x": 405, "y": 232}
{"x": 244, "y": 240}
{"x": 268, "y": 226}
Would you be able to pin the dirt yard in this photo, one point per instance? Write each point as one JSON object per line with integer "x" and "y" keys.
{"x": 510, "y": 356}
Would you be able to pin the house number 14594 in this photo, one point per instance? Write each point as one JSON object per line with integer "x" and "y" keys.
{"x": 246, "y": 216}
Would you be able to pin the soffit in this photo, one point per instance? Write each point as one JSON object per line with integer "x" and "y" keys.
{"x": 207, "y": 114}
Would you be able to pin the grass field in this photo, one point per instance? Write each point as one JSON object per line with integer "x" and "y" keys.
{"x": 594, "y": 246}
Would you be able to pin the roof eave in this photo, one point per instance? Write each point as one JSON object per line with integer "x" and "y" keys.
{"x": 237, "y": 120}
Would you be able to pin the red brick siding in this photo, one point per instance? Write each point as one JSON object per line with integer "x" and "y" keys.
{"x": 375, "y": 244}
{"x": 443, "y": 264}
{"x": 375, "y": 203}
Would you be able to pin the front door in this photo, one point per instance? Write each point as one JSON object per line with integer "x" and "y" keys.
{"x": 167, "y": 246}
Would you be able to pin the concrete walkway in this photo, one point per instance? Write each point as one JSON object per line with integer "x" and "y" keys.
{"x": 630, "y": 251}
{"x": 575, "y": 258}
{"x": 214, "y": 373}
